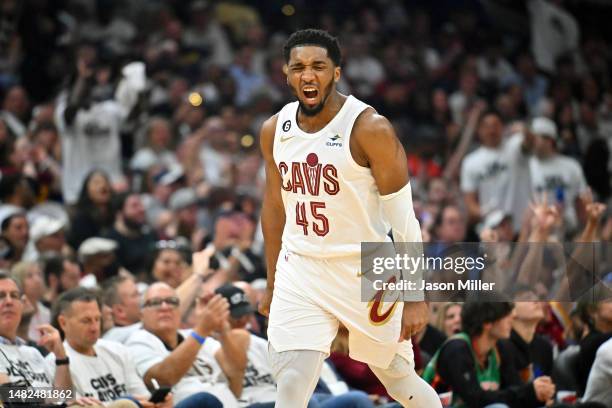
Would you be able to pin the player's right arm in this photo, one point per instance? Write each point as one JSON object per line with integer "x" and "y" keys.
{"x": 272, "y": 210}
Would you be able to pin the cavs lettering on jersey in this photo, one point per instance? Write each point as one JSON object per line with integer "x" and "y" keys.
{"x": 331, "y": 202}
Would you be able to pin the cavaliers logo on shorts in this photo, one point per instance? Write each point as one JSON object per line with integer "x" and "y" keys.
{"x": 377, "y": 316}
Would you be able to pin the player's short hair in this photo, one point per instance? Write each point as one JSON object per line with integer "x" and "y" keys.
{"x": 312, "y": 36}
{"x": 475, "y": 314}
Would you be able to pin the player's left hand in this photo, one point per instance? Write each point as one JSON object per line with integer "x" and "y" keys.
{"x": 414, "y": 319}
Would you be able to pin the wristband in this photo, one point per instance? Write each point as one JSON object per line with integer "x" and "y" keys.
{"x": 62, "y": 361}
{"x": 198, "y": 338}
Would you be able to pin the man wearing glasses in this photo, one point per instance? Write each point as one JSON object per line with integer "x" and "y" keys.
{"x": 201, "y": 370}
{"x": 24, "y": 364}
{"x": 103, "y": 372}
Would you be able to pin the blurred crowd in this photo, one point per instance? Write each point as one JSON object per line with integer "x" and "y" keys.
{"x": 129, "y": 158}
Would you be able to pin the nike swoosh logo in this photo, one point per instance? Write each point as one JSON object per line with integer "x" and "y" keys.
{"x": 284, "y": 139}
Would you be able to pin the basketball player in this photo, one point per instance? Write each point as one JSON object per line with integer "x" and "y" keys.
{"x": 336, "y": 176}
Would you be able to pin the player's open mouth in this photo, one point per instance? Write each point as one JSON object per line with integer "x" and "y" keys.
{"x": 311, "y": 93}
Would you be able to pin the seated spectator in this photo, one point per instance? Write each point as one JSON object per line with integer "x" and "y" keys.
{"x": 97, "y": 255}
{"x": 478, "y": 369}
{"x": 6, "y": 252}
{"x": 599, "y": 384}
{"x": 46, "y": 154}
{"x": 601, "y": 313}
{"x": 177, "y": 359}
{"x": 22, "y": 362}
{"x": 430, "y": 340}
{"x": 101, "y": 370}
{"x": 93, "y": 211}
{"x": 61, "y": 274}
{"x": 162, "y": 184}
{"x": 448, "y": 322}
{"x": 121, "y": 295}
{"x": 233, "y": 237}
{"x": 532, "y": 353}
{"x": 157, "y": 146}
{"x": 28, "y": 276}
{"x": 449, "y": 224}
{"x": 167, "y": 264}
{"x": 15, "y": 229}
{"x": 46, "y": 235}
{"x": 15, "y": 108}
{"x": 15, "y": 189}
{"x": 449, "y": 318}
{"x": 134, "y": 238}
{"x": 184, "y": 204}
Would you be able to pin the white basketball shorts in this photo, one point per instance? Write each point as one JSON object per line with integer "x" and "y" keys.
{"x": 312, "y": 295}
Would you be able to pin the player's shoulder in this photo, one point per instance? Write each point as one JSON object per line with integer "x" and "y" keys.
{"x": 269, "y": 125}
{"x": 372, "y": 127}
{"x": 369, "y": 119}
{"x": 266, "y": 135}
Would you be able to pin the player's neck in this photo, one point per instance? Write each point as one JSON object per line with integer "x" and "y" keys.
{"x": 314, "y": 123}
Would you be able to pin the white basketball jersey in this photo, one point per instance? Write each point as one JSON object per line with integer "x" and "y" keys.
{"x": 331, "y": 203}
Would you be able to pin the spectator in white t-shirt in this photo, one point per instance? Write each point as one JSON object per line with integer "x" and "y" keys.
{"x": 22, "y": 363}
{"x": 559, "y": 176}
{"x": 599, "y": 385}
{"x": 122, "y": 296}
{"x": 465, "y": 97}
{"x": 200, "y": 369}
{"x": 157, "y": 149}
{"x": 89, "y": 121}
{"x": 496, "y": 175}
{"x": 492, "y": 66}
{"x": 101, "y": 370}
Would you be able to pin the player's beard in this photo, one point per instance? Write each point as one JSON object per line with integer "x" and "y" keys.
{"x": 308, "y": 111}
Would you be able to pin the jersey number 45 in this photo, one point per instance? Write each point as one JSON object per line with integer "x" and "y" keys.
{"x": 320, "y": 226}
